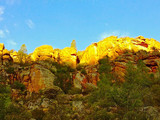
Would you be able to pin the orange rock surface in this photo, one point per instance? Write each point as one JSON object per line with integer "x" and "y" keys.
{"x": 41, "y": 78}
{"x": 68, "y": 56}
{"x": 114, "y": 46}
{"x": 42, "y": 53}
{"x": 1, "y": 46}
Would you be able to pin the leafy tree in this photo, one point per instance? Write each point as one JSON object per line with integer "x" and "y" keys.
{"x": 22, "y": 54}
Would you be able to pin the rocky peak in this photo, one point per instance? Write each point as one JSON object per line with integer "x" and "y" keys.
{"x": 114, "y": 46}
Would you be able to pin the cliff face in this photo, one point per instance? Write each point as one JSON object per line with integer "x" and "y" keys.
{"x": 113, "y": 47}
{"x": 65, "y": 56}
{"x": 39, "y": 76}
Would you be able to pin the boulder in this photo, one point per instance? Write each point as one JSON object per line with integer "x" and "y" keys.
{"x": 14, "y": 56}
{"x": 68, "y": 56}
{"x": 41, "y": 78}
{"x": 2, "y": 46}
{"x": 6, "y": 52}
{"x": 77, "y": 81}
{"x": 43, "y": 52}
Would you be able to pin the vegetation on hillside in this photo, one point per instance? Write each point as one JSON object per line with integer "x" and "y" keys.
{"x": 128, "y": 100}
{"x": 137, "y": 98}
{"x": 22, "y": 54}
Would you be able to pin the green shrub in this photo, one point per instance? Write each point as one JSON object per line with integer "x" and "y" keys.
{"x": 83, "y": 71}
{"x": 63, "y": 78}
{"x": 18, "y": 85}
{"x": 10, "y": 70}
{"x": 5, "y": 99}
{"x": 73, "y": 91}
{"x": 127, "y": 97}
{"x": 38, "y": 114}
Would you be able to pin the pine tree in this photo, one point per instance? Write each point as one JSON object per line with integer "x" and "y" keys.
{"x": 73, "y": 44}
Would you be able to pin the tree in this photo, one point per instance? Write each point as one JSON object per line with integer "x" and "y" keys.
{"x": 22, "y": 54}
{"x": 73, "y": 44}
{"x": 125, "y": 99}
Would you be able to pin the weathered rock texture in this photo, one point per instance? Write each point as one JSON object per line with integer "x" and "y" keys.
{"x": 41, "y": 78}
{"x": 38, "y": 75}
{"x": 113, "y": 47}
{"x": 65, "y": 56}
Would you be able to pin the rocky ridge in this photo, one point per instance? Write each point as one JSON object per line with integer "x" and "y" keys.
{"x": 38, "y": 75}
{"x": 44, "y": 98}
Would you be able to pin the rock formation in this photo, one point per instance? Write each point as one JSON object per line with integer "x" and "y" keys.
{"x": 1, "y": 52}
{"x": 113, "y": 47}
{"x": 39, "y": 76}
{"x": 65, "y": 56}
{"x": 43, "y": 52}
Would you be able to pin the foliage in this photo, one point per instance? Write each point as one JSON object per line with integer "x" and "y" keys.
{"x": 83, "y": 71}
{"x": 63, "y": 77}
{"x": 120, "y": 100}
{"x": 74, "y": 90}
{"x": 80, "y": 66}
{"x": 38, "y": 114}
{"x": 10, "y": 70}
{"x": 5, "y": 99}
{"x": 18, "y": 85}
{"x": 22, "y": 54}
{"x": 15, "y": 112}
{"x": 73, "y": 44}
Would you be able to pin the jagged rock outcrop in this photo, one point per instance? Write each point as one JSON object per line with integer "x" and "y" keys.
{"x": 65, "y": 56}
{"x": 114, "y": 46}
{"x": 151, "y": 60}
{"x": 1, "y": 52}
{"x": 68, "y": 56}
{"x": 88, "y": 74}
{"x": 14, "y": 56}
{"x": 38, "y": 76}
{"x": 6, "y": 57}
{"x": 35, "y": 77}
{"x": 43, "y": 52}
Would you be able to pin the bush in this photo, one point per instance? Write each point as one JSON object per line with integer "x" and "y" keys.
{"x": 63, "y": 78}
{"x": 83, "y": 71}
{"x": 38, "y": 114}
{"x": 125, "y": 99}
{"x": 73, "y": 91}
{"x": 18, "y": 85}
{"x": 10, "y": 70}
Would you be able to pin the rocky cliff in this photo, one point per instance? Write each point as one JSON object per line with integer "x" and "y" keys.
{"x": 59, "y": 82}
{"x": 114, "y": 46}
{"x": 38, "y": 75}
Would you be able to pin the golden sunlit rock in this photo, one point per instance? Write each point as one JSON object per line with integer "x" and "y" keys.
{"x": 1, "y": 46}
{"x": 6, "y": 52}
{"x": 42, "y": 53}
{"x": 113, "y": 47}
{"x": 14, "y": 56}
{"x": 41, "y": 78}
{"x": 68, "y": 56}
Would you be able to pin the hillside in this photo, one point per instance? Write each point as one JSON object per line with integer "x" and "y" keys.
{"x": 113, "y": 79}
